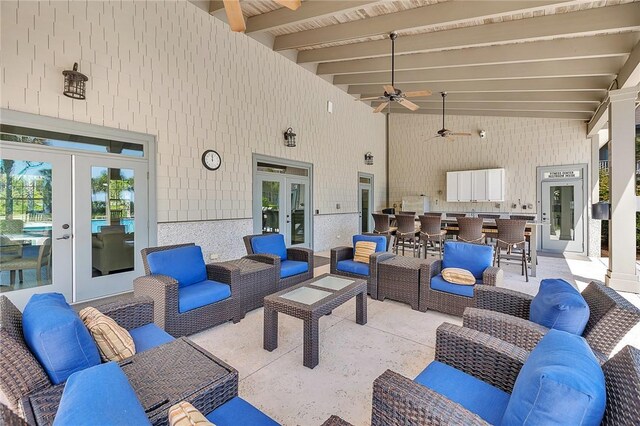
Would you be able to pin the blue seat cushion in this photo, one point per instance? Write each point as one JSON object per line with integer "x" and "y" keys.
{"x": 559, "y": 305}
{"x": 561, "y": 382}
{"x": 57, "y": 337}
{"x": 380, "y": 240}
{"x": 473, "y": 394}
{"x": 149, "y": 336}
{"x": 270, "y": 244}
{"x": 184, "y": 264}
{"x": 238, "y": 412}
{"x": 201, "y": 294}
{"x": 440, "y": 284}
{"x": 353, "y": 267}
{"x": 99, "y": 395}
{"x": 475, "y": 258}
{"x": 289, "y": 268}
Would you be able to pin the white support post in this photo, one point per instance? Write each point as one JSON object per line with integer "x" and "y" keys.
{"x": 622, "y": 274}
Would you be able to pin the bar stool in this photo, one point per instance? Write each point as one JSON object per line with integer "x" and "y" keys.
{"x": 456, "y": 215}
{"x": 470, "y": 230}
{"x": 406, "y": 232}
{"x": 528, "y": 218}
{"x": 511, "y": 237}
{"x": 382, "y": 224}
{"x": 431, "y": 232}
{"x": 489, "y": 216}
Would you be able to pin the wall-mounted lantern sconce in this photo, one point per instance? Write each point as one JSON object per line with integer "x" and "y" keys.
{"x": 74, "y": 83}
{"x": 368, "y": 159}
{"x": 601, "y": 210}
{"x": 289, "y": 138}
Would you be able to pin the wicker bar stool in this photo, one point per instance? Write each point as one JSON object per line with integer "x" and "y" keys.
{"x": 511, "y": 237}
{"x": 382, "y": 224}
{"x": 406, "y": 232}
{"x": 489, "y": 216}
{"x": 456, "y": 215}
{"x": 528, "y": 218}
{"x": 470, "y": 230}
{"x": 408, "y": 213}
{"x": 431, "y": 232}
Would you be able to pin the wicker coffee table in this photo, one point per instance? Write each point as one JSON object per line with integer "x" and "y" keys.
{"x": 399, "y": 279}
{"x": 309, "y": 301}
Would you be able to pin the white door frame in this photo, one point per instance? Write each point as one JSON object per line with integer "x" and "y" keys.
{"x": 368, "y": 186}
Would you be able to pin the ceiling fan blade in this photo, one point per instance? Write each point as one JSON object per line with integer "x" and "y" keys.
{"x": 290, "y": 4}
{"x": 381, "y": 107}
{"x": 389, "y": 88}
{"x": 417, "y": 93}
{"x": 234, "y": 15}
{"x": 434, "y": 137}
{"x": 371, "y": 98}
{"x": 460, "y": 134}
{"x": 408, "y": 104}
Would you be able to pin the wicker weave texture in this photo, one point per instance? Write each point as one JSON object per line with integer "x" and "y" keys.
{"x": 622, "y": 377}
{"x": 399, "y": 279}
{"x": 256, "y": 280}
{"x": 10, "y": 418}
{"x": 503, "y": 300}
{"x": 470, "y": 229}
{"x": 336, "y": 421}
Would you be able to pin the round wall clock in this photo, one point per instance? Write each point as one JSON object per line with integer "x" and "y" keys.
{"x": 211, "y": 159}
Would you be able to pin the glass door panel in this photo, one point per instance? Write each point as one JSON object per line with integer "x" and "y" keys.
{"x": 562, "y": 208}
{"x": 271, "y": 210}
{"x": 31, "y": 184}
{"x": 297, "y": 215}
{"x": 365, "y": 202}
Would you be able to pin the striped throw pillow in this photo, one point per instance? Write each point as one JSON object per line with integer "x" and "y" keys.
{"x": 363, "y": 250}
{"x": 458, "y": 276}
{"x": 114, "y": 342}
{"x": 185, "y": 414}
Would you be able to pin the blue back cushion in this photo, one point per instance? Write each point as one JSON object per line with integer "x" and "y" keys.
{"x": 149, "y": 336}
{"x": 184, "y": 264}
{"x": 270, "y": 244}
{"x": 560, "y": 383}
{"x": 558, "y": 305}
{"x": 57, "y": 337}
{"x": 238, "y": 412}
{"x": 475, "y": 258}
{"x": 380, "y": 240}
{"x": 100, "y": 395}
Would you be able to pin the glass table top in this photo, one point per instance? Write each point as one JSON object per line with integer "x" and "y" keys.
{"x": 332, "y": 283}
{"x": 306, "y": 295}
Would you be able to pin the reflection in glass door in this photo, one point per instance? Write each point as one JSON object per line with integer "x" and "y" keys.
{"x": 270, "y": 206}
{"x": 297, "y": 217}
{"x": 32, "y": 183}
{"x": 365, "y": 202}
{"x": 562, "y": 208}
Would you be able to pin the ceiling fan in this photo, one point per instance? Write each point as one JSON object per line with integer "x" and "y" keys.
{"x": 444, "y": 132}
{"x": 393, "y": 94}
{"x": 236, "y": 19}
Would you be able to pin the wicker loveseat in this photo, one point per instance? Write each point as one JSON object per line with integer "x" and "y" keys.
{"x": 293, "y": 265}
{"x": 504, "y": 314}
{"x": 342, "y": 262}
{"x": 489, "y": 368}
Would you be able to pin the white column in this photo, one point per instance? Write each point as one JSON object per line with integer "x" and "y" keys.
{"x": 622, "y": 273}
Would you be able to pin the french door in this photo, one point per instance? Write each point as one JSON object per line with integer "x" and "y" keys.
{"x": 365, "y": 202}
{"x": 562, "y": 208}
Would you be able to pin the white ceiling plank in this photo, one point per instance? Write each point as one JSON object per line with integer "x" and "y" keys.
{"x": 308, "y": 10}
{"x": 610, "y": 19}
{"x": 582, "y": 84}
{"x": 582, "y": 116}
{"x": 568, "y": 68}
{"x": 509, "y": 106}
{"x": 422, "y": 17}
{"x": 592, "y": 97}
{"x": 575, "y": 48}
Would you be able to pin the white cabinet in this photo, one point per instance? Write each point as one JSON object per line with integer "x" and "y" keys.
{"x": 476, "y": 185}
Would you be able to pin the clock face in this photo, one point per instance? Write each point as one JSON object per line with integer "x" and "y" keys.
{"x": 211, "y": 160}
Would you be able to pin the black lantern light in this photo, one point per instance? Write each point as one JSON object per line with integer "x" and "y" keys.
{"x": 289, "y": 138}
{"x": 601, "y": 210}
{"x": 368, "y": 159}
{"x": 74, "y": 83}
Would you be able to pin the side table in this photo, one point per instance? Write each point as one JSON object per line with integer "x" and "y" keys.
{"x": 257, "y": 280}
{"x": 399, "y": 279}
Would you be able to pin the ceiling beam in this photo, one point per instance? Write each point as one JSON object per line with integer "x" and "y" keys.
{"x": 556, "y": 96}
{"x": 583, "y": 116}
{"x": 568, "y": 68}
{"x": 625, "y": 17}
{"x": 522, "y": 85}
{"x": 307, "y": 11}
{"x": 547, "y": 50}
{"x": 421, "y": 17}
{"x": 508, "y": 106}
{"x": 215, "y": 5}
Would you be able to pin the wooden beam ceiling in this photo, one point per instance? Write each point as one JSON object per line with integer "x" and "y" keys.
{"x": 507, "y": 106}
{"x": 583, "y": 116}
{"x": 611, "y": 19}
{"x": 594, "y": 97}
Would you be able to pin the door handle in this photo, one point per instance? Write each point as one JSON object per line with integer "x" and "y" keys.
{"x": 64, "y": 237}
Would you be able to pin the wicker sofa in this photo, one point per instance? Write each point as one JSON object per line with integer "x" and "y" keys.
{"x": 342, "y": 262}
{"x": 452, "y": 298}
{"x": 288, "y": 262}
{"x": 181, "y": 307}
{"x": 398, "y": 400}
{"x": 504, "y": 314}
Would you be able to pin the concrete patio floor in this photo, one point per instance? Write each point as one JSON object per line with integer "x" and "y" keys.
{"x": 352, "y": 356}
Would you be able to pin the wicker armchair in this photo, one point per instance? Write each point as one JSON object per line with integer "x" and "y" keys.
{"x": 299, "y": 254}
{"x": 164, "y": 290}
{"x": 504, "y": 314}
{"x": 448, "y": 302}
{"x": 398, "y": 400}
{"x": 339, "y": 254}
{"x": 20, "y": 372}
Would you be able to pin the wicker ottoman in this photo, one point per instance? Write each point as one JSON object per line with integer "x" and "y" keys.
{"x": 257, "y": 280}
{"x": 399, "y": 279}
